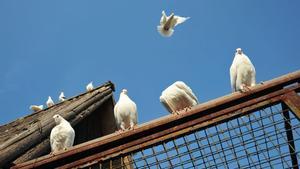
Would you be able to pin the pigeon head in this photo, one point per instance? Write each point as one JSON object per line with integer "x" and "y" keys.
{"x": 124, "y": 91}
{"x": 57, "y": 118}
{"x": 239, "y": 50}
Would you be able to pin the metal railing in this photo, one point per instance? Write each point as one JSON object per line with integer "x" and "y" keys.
{"x": 256, "y": 140}
{"x": 256, "y": 129}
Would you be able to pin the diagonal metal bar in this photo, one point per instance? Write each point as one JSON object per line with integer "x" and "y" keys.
{"x": 292, "y": 100}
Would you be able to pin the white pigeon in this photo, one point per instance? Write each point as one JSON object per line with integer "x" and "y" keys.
{"x": 242, "y": 72}
{"x": 36, "y": 108}
{"x": 62, "y": 97}
{"x": 167, "y": 23}
{"x": 62, "y": 135}
{"x": 177, "y": 97}
{"x": 49, "y": 102}
{"x": 125, "y": 112}
{"x": 89, "y": 87}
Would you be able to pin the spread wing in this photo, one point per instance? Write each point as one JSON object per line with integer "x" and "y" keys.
{"x": 179, "y": 20}
{"x": 163, "y": 18}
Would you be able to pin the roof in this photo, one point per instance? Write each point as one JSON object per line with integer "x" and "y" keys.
{"x": 20, "y": 136}
{"x": 166, "y": 128}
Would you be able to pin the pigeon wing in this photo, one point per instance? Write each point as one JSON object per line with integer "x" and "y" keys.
{"x": 181, "y": 85}
{"x": 117, "y": 115}
{"x": 233, "y": 76}
{"x": 165, "y": 104}
{"x": 70, "y": 137}
{"x": 133, "y": 114}
{"x": 163, "y": 18}
{"x": 253, "y": 72}
{"x": 178, "y": 20}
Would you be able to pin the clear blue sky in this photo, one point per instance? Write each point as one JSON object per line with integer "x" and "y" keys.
{"x": 49, "y": 46}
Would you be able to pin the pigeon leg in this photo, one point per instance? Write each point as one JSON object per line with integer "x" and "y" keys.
{"x": 245, "y": 88}
{"x": 119, "y": 131}
{"x": 122, "y": 126}
{"x": 242, "y": 88}
{"x": 176, "y": 113}
{"x": 132, "y": 126}
{"x": 188, "y": 108}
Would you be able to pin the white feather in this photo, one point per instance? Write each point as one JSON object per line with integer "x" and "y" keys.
{"x": 125, "y": 112}
{"x": 49, "y": 102}
{"x": 167, "y": 23}
{"x": 242, "y": 71}
{"x": 62, "y": 135}
{"x": 36, "y": 108}
{"x": 62, "y": 97}
{"x": 89, "y": 87}
{"x": 177, "y": 97}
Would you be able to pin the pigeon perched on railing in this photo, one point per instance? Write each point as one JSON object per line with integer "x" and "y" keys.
{"x": 167, "y": 23}
{"x": 242, "y": 72}
{"x": 62, "y": 97}
{"x": 178, "y": 97}
{"x": 125, "y": 112}
{"x": 62, "y": 135}
{"x": 36, "y": 108}
{"x": 89, "y": 87}
{"x": 49, "y": 102}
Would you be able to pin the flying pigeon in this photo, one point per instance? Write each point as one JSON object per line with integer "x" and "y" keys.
{"x": 242, "y": 72}
{"x": 36, "y": 108}
{"x": 62, "y": 135}
{"x": 177, "y": 97}
{"x": 49, "y": 102}
{"x": 167, "y": 23}
{"x": 62, "y": 97}
{"x": 125, "y": 112}
{"x": 89, "y": 87}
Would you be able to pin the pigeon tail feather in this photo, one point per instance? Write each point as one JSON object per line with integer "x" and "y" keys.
{"x": 163, "y": 32}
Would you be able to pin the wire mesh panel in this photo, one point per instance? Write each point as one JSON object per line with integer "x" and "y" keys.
{"x": 268, "y": 138}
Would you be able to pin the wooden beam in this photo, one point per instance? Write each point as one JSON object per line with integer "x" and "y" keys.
{"x": 13, "y": 148}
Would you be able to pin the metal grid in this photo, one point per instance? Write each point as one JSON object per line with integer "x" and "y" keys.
{"x": 268, "y": 138}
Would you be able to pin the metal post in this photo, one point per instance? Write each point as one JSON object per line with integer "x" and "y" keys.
{"x": 289, "y": 133}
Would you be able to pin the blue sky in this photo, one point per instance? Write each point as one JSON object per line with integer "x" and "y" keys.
{"x": 50, "y": 46}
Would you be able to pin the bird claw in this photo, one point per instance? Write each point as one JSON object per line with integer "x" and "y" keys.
{"x": 245, "y": 88}
{"x": 120, "y": 131}
{"x": 176, "y": 113}
{"x": 132, "y": 127}
{"x": 188, "y": 108}
{"x": 182, "y": 111}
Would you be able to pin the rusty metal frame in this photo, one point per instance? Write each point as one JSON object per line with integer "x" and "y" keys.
{"x": 289, "y": 133}
{"x": 282, "y": 89}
